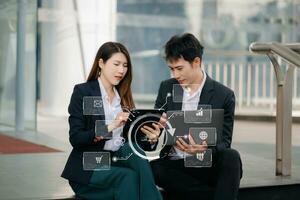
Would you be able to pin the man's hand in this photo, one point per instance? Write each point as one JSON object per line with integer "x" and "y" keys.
{"x": 191, "y": 148}
{"x": 153, "y": 132}
{"x": 163, "y": 120}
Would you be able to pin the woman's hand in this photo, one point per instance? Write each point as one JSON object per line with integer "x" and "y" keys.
{"x": 191, "y": 148}
{"x": 98, "y": 139}
{"x": 120, "y": 120}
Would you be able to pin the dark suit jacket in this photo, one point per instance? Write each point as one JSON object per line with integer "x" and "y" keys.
{"x": 214, "y": 94}
{"x": 82, "y": 132}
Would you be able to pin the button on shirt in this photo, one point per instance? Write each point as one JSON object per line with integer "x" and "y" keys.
{"x": 189, "y": 102}
{"x": 111, "y": 111}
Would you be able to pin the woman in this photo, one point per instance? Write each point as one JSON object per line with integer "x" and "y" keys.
{"x": 110, "y": 78}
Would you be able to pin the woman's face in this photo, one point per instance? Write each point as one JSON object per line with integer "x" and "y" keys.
{"x": 115, "y": 68}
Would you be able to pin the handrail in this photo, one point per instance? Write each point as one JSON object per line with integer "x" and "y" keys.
{"x": 289, "y": 52}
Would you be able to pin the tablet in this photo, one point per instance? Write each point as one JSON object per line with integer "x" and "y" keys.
{"x": 139, "y": 117}
{"x": 209, "y": 131}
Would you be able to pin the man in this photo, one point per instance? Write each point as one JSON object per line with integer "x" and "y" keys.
{"x": 184, "y": 55}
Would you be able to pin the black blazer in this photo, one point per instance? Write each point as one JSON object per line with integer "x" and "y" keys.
{"x": 214, "y": 94}
{"x": 82, "y": 132}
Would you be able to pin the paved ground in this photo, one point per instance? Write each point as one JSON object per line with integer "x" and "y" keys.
{"x": 34, "y": 176}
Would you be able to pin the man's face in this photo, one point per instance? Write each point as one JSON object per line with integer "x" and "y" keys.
{"x": 183, "y": 71}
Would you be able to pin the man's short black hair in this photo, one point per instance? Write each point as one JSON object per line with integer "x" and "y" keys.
{"x": 185, "y": 46}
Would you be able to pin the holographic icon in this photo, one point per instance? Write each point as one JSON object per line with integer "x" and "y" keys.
{"x": 199, "y": 113}
{"x": 203, "y": 159}
{"x": 200, "y": 156}
{"x": 203, "y": 114}
{"x": 97, "y": 103}
{"x": 93, "y": 105}
{"x": 203, "y": 135}
{"x": 119, "y": 141}
{"x": 96, "y": 161}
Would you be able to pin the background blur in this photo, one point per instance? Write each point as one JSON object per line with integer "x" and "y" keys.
{"x": 62, "y": 38}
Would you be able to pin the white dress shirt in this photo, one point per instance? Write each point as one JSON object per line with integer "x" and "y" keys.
{"x": 111, "y": 111}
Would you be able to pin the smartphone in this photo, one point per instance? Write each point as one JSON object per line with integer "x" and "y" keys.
{"x": 185, "y": 138}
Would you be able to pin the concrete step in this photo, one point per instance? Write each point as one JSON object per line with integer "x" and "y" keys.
{"x": 277, "y": 192}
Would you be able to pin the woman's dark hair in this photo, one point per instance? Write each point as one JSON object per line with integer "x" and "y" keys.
{"x": 105, "y": 52}
{"x": 185, "y": 46}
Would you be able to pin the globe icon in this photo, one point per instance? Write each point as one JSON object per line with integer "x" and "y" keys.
{"x": 203, "y": 135}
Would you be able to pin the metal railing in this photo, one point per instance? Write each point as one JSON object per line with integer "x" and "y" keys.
{"x": 289, "y": 52}
{"x": 253, "y": 84}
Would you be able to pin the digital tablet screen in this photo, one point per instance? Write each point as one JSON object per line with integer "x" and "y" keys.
{"x": 139, "y": 116}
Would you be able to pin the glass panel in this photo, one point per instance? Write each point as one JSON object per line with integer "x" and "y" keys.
{"x": 8, "y": 35}
{"x": 8, "y": 25}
